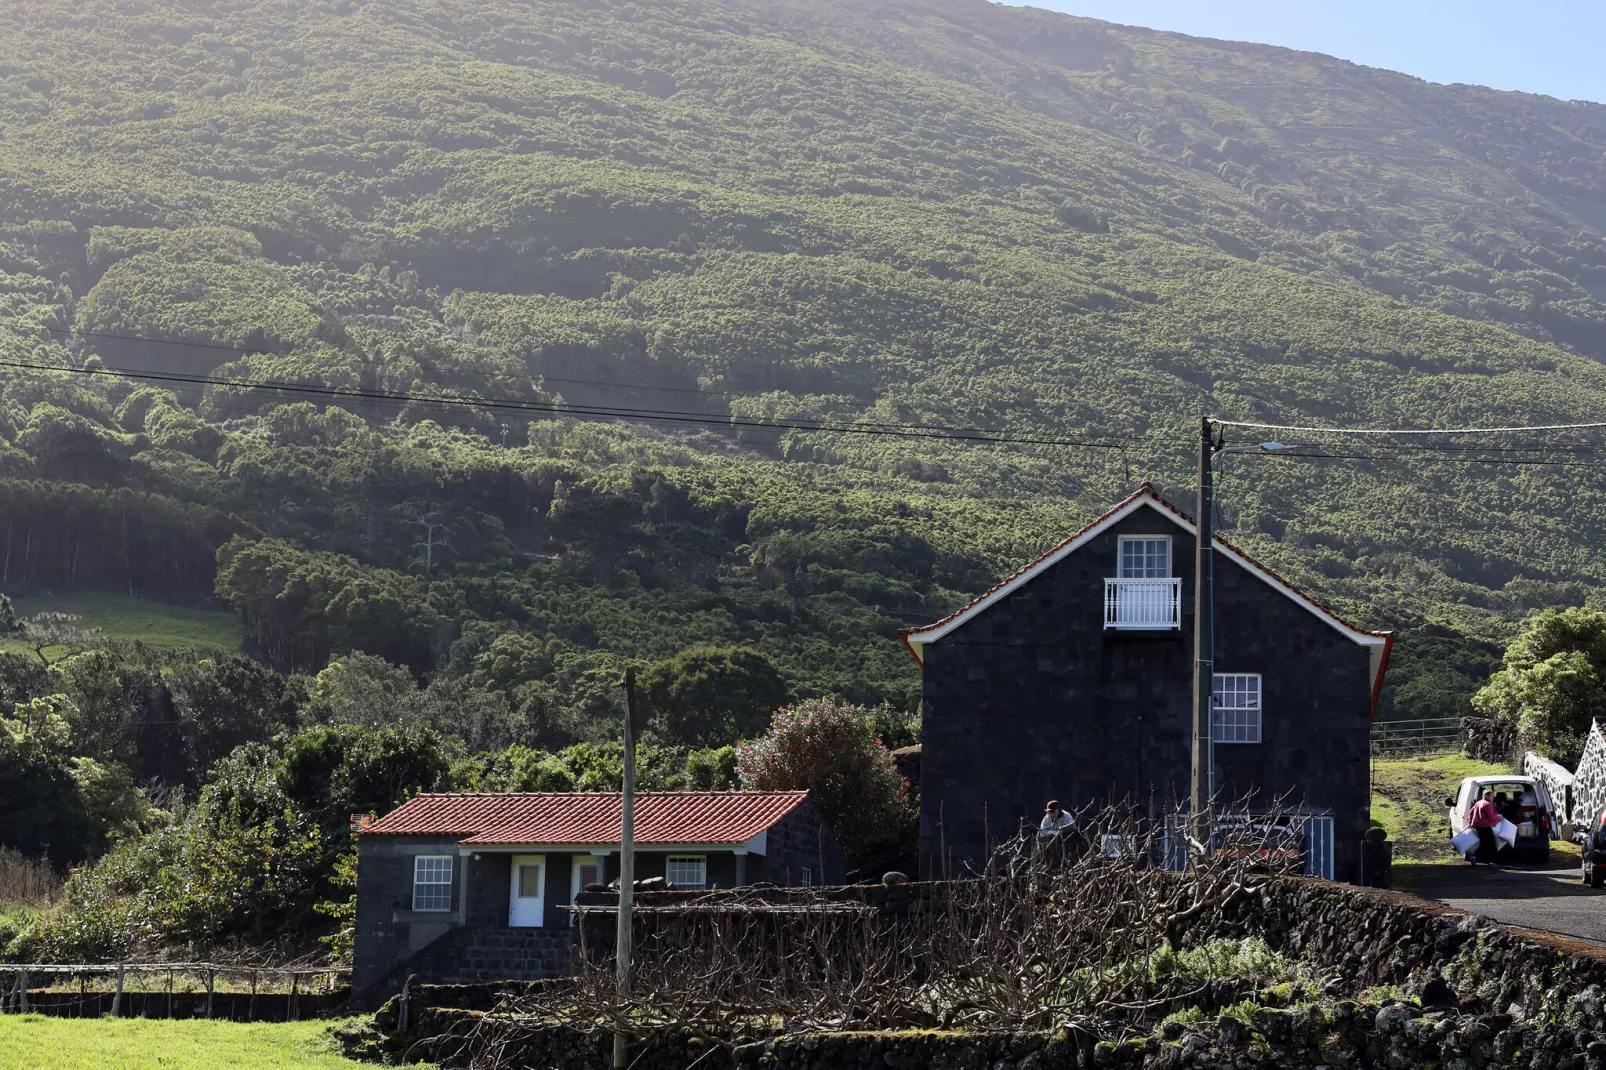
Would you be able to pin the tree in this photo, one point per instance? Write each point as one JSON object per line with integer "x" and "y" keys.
{"x": 10, "y": 626}
{"x": 712, "y": 696}
{"x": 227, "y": 700}
{"x": 1552, "y": 684}
{"x": 830, "y": 749}
{"x": 63, "y": 632}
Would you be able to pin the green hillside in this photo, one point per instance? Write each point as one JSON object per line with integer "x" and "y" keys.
{"x": 925, "y": 212}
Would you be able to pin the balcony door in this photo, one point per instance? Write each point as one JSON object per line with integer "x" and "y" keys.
{"x": 1144, "y": 595}
{"x": 1145, "y": 557}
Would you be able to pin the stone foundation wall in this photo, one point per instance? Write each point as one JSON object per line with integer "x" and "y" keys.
{"x": 1487, "y": 996}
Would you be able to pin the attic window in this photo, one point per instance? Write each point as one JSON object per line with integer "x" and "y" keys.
{"x": 1237, "y": 708}
{"x": 1145, "y": 557}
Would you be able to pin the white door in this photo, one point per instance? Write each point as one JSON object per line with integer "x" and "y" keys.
{"x": 527, "y": 894}
{"x": 586, "y": 869}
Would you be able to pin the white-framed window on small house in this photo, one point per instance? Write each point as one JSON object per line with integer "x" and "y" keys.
{"x": 1144, "y": 557}
{"x": 432, "y": 882}
{"x": 686, "y": 871}
{"x": 807, "y": 878}
{"x": 1237, "y": 708}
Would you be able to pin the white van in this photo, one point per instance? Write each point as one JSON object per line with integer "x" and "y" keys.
{"x": 1522, "y": 800}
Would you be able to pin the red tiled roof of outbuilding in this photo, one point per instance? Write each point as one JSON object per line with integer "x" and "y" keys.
{"x": 589, "y": 818}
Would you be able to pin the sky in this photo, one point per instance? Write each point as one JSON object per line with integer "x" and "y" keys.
{"x": 1541, "y": 46}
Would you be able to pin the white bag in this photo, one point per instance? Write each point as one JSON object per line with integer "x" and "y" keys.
{"x": 1465, "y": 843}
{"x": 1506, "y": 833}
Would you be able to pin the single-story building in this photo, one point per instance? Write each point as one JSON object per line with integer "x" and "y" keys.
{"x": 457, "y": 888}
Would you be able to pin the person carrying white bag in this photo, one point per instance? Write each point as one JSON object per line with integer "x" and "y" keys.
{"x": 1484, "y": 818}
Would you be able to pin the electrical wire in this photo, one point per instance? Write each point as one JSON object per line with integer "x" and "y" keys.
{"x": 666, "y": 414}
{"x": 1409, "y": 431}
{"x": 918, "y": 431}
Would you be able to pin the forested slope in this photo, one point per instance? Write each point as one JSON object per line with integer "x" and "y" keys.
{"x": 925, "y": 212}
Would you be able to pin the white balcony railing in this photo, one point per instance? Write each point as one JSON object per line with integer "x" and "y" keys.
{"x": 1143, "y": 605}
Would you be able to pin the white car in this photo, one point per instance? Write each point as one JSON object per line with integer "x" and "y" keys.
{"x": 1522, "y": 800}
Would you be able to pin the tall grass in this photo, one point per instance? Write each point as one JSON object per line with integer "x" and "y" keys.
{"x": 27, "y": 881}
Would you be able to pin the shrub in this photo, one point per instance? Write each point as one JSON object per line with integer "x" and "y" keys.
{"x": 830, "y": 749}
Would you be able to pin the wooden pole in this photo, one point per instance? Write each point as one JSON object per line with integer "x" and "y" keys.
{"x": 1203, "y": 669}
{"x": 22, "y": 992}
{"x": 117, "y": 997}
{"x": 251, "y": 1008}
{"x": 627, "y": 866}
{"x": 210, "y": 978}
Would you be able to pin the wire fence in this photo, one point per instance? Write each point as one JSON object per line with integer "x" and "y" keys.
{"x": 1400, "y": 739}
{"x": 172, "y": 990}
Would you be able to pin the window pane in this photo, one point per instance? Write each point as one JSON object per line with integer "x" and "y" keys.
{"x": 1237, "y": 708}
{"x": 686, "y": 872}
{"x": 589, "y": 875}
{"x": 432, "y": 882}
{"x": 530, "y": 882}
{"x": 1145, "y": 559}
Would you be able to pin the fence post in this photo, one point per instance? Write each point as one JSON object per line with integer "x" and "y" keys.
{"x": 117, "y": 997}
{"x": 251, "y": 1008}
{"x": 22, "y": 992}
{"x": 211, "y": 975}
{"x": 290, "y": 1008}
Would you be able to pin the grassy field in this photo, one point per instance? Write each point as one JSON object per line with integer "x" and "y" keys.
{"x": 161, "y": 625}
{"x": 35, "y": 1042}
{"x": 1408, "y": 799}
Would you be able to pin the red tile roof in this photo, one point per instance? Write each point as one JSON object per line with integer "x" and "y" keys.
{"x": 589, "y": 819}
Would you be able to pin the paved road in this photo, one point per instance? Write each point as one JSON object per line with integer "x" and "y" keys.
{"x": 1553, "y": 899}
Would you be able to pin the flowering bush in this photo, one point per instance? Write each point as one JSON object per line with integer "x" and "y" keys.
{"x": 831, "y": 749}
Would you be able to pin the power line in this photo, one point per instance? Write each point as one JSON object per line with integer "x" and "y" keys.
{"x": 619, "y": 410}
{"x": 1409, "y": 431}
{"x": 1461, "y": 460}
{"x": 919, "y": 431}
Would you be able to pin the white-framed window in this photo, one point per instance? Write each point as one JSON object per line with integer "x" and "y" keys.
{"x": 686, "y": 871}
{"x": 807, "y": 879}
{"x": 1144, "y": 557}
{"x": 432, "y": 882}
{"x": 1237, "y": 708}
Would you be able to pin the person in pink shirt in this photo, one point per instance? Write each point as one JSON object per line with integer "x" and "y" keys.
{"x": 1483, "y": 817}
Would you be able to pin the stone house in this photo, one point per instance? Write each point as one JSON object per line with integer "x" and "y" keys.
{"x": 1073, "y": 680}
{"x": 459, "y": 888}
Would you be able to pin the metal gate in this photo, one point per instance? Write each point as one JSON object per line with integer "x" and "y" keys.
{"x": 1319, "y": 847}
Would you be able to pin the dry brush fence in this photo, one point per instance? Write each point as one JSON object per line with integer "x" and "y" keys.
{"x": 1077, "y": 941}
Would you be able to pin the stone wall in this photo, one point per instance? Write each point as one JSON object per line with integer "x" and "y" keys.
{"x": 479, "y": 956}
{"x": 1486, "y": 996}
{"x": 1589, "y": 782}
{"x": 1559, "y": 783}
{"x": 1490, "y": 740}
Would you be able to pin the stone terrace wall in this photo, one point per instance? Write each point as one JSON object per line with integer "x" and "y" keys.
{"x": 1491, "y": 995}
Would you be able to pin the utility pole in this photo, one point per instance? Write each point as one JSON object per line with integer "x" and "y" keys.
{"x": 627, "y": 867}
{"x": 1203, "y": 669}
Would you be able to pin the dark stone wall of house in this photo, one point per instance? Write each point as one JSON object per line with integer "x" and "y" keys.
{"x": 800, "y": 840}
{"x": 388, "y": 930}
{"x": 1033, "y": 699}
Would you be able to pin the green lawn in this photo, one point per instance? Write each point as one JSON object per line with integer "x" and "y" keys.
{"x": 35, "y": 1042}
{"x": 161, "y": 625}
{"x": 1408, "y": 799}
